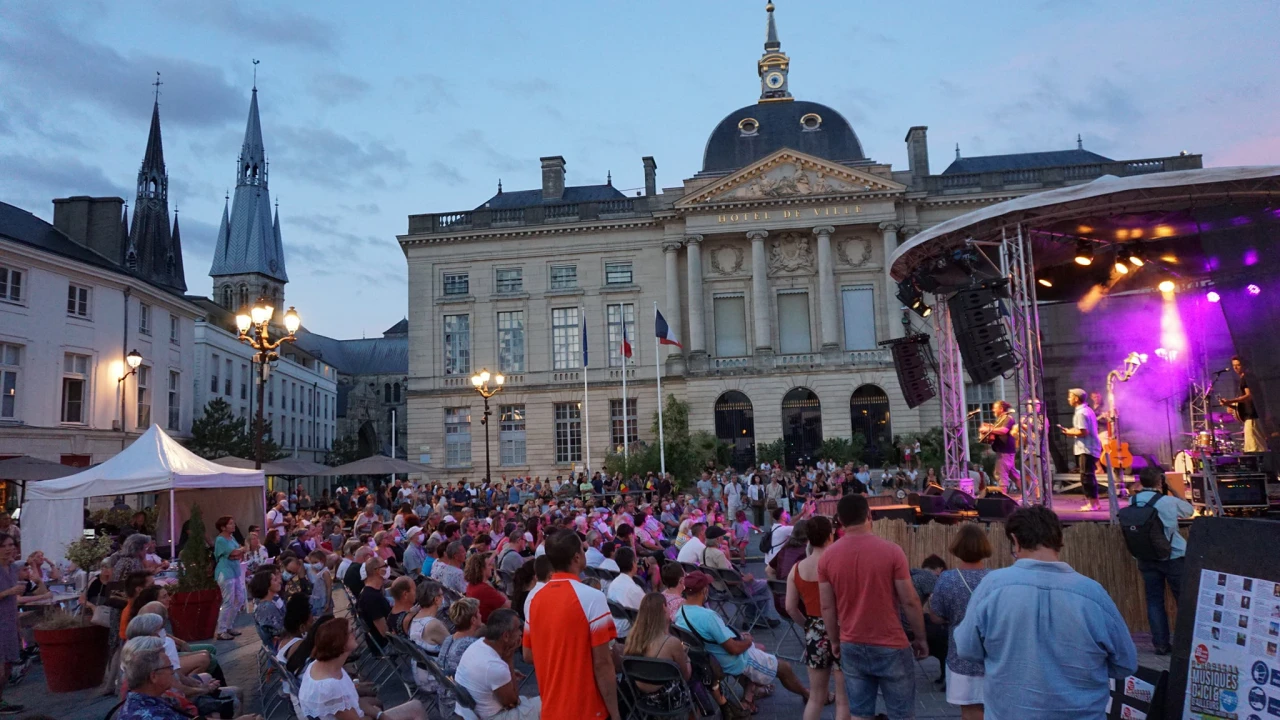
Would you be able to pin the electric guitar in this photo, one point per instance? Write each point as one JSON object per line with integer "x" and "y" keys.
{"x": 1232, "y": 407}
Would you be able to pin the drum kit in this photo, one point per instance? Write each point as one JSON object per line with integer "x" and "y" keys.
{"x": 1218, "y": 441}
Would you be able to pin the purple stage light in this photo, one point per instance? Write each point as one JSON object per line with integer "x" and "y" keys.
{"x": 1253, "y": 289}
{"x": 1213, "y": 296}
{"x": 1251, "y": 257}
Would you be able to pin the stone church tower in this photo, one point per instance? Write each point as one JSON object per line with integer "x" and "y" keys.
{"x": 248, "y": 262}
{"x": 152, "y": 251}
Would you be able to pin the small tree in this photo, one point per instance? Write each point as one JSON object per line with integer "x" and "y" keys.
{"x": 271, "y": 450}
{"x": 195, "y": 574}
{"x": 771, "y": 452}
{"x": 217, "y": 433}
{"x": 344, "y": 450}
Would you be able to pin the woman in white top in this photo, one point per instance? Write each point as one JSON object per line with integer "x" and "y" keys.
{"x": 256, "y": 556}
{"x": 327, "y": 691}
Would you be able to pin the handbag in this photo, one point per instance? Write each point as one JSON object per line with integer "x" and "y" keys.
{"x": 101, "y": 616}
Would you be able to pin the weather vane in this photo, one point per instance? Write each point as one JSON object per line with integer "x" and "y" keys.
{"x": 255, "y": 74}
{"x": 157, "y": 85}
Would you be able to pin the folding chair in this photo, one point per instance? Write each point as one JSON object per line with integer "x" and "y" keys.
{"x": 689, "y": 567}
{"x": 747, "y": 608}
{"x": 460, "y": 694}
{"x": 707, "y": 670}
{"x": 288, "y": 690}
{"x": 653, "y": 671}
{"x": 779, "y": 590}
{"x": 411, "y": 656}
{"x": 606, "y": 575}
{"x": 621, "y": 611}
{"x": 374, "y": 665}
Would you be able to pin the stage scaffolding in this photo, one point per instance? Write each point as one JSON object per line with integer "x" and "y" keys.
{"x": 1034, "y": 464}
{"x": 955, "y": 435}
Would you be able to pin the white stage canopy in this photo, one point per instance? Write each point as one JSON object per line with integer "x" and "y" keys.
{"x": 53, "y": 510}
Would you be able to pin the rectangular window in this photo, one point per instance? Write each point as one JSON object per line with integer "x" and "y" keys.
{"x": 144, "y": 397}
{"x": 731, "y": 326}
{"x": 564, "y": 277}
{"x": 859, "y": 318}
{"x": 10, "y": 365}
{"x": 617, "y": 273}
{"x": 10, "y": 284}
{"x": 175, "y": 330}
{"x": 271, "y": 394}
{"x": 226, "y": 379}
{"x": 568, "y": 432}
{"x": 175, "y": 400}
{"x": 244, "y": 381}
{"x": 293, "y": 397}
{"x": 457, "y": 344}
{"x": 793, "y": 323}
{"x": 457, "y": 437}
{"x": 566, "y": 339}
{"x": 144, "y": 318}
{"x": 509, "y": 280}
{"x": 77, "y": 301}
{"x": 213, "y": 375}
{"x": 615, "y": 417}
{"x": 511, "y": 435}
{"x": 75, "y": 387}
{"x": 457, "y": 283}
{"x": 511, "y": 341}
{"x": 616, "y": 315}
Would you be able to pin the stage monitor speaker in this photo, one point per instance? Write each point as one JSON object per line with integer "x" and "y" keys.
{"x": 913, "y": 372}
{"x": 995, "y": 505}
{"x": 956, "y": 500}
{"x": 933, "y": 489}
{"x": 932, "y": 505}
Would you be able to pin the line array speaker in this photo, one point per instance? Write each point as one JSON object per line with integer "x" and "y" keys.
{"x": 980, "y": 332}
{"x": 913, "y": 369}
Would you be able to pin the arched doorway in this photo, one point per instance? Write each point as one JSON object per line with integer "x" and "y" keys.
{"x": 801, "y": 426}
{"x": 869, "y": 408}
{"x": 735, "y": 425}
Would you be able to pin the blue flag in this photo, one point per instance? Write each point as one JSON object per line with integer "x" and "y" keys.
{"x": 583, "y": 320}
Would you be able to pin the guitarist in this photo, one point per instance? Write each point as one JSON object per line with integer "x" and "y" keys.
{"x": 1245, "y": 411}
{"x": 1000, "y": 434}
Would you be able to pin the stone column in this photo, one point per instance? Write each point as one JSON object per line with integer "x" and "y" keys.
{"x": 760, "y": 292}
{"x": 697, "y": 336}
{"x": 672, "y": 312}
{"x": 827, "y": 289}
{"x": 890, "y": 230}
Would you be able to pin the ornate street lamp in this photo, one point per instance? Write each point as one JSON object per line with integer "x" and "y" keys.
{"x": 481, "y": 383}
{"x": 133, "y": 360}
{"x": 256, "y": 333}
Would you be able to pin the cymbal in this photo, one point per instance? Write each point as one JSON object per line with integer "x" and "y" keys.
{"x": 1216, "y": 431}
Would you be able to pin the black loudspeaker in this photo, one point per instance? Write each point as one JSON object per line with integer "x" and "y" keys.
{"x": 933, "y": 489}
{"x": 980, "y": 332}
{"x": 931, "y": 505}
{"x": 957, "y": 500}
{"x": 995, "y": 505}
{"x": 913, "y": 369}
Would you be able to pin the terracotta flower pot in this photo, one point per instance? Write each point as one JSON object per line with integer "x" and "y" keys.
{"x": 194, "y": 615}
{"x": 74, "y": 658}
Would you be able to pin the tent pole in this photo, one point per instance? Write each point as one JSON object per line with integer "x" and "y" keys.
{"x": 173, "y": 508}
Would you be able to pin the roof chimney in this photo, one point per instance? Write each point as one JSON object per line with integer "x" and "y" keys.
{"x": 650, "y": 176}
{"x": 918, "y": 151}
{"x": 93, "y": 223}
{"x": 552, "y": 178}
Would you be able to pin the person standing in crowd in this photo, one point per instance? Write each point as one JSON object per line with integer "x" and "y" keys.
{"x": 10, "y": 641}
{"x": 229, "y": 575}
{"x": 865, "y": 586}
{"x": 568, "y": 634}
{"x": 804, "y": 605}
{"x": 487, "y": 671}
{"x": 1087, "y": 447}
{"x": 947, "y": 606}
{"x": 1255, "y": 440}
{"x": 278, "y": 515}
{"x": 1157, "y": 573}
{"x": 1048, "y": 637}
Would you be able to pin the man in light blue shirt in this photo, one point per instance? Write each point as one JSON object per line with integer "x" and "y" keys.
{"x": 1087, "y": 447}
{"x": 1049, "y": 637}
{"x": 1155, "y": 573}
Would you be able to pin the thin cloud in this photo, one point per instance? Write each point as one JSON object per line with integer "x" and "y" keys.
{"x": 268, "y": 24}
{"x": 332, "y": 159}
{"x": 337, "y": 87}
{"x": 33, "y": 181}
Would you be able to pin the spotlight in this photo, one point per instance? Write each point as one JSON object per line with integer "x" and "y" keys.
{"x": 1084, "y": 252}
{"x": 1213, "y": 296}
{"x": 1121, "y": 268}
{"x": 1137, "y": 257}
{"x": 925, "y": 311}
{"x": 1253, "y": 289}
{"x": 1166, "y": 286}
{"x": 1045, "y": 282}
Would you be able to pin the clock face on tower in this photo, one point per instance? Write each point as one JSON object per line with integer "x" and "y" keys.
{"x": 774, "y": 80}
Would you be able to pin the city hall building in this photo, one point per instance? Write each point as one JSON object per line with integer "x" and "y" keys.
{"x": 769, "y": 266}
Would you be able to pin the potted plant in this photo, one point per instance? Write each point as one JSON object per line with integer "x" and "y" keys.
{"x": 88, "y": 553}
{"x": 193, "y": 611}
{"x": 74, "y": 651}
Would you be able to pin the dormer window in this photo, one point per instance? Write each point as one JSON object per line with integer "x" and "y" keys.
{"x": 749, "y": 126}
{"x": 811, "y": 121}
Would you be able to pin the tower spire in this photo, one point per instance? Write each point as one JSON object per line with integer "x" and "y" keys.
{"x": 774, "y": 64}
{"x": 1079, "y": 142}
{"x": 152, "y": 252}
{"x": 771, "y": 43}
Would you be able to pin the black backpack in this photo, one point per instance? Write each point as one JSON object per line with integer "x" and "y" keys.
{"x": 1144, "y": 533}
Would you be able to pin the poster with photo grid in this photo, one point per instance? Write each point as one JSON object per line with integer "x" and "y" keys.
{"x": 1234, "y": 668}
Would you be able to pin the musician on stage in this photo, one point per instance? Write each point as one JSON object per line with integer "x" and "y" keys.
{"x": 1254, "y": 439}
{"x": 1087, "y": 448}
{"x": 1000, "y": 434}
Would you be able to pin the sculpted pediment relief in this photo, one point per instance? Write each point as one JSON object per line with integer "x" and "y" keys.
{"x": 788, "y": 174}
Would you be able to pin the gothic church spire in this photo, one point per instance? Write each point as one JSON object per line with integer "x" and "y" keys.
{"x": 152, "y": 252}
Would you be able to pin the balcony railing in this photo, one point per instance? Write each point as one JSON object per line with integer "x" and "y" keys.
{"x": 1054, "y": 176}
{"x": 536, "y": 215}
{"x": 799, "y": 359}
{"x": 728, "y": 363}
{"x": 881, "y": 356}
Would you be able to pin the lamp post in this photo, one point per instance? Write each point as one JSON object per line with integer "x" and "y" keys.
{"x": 133, "y": 360}
{"x": 256, "y": 333}
{"x": 481, "y": 383}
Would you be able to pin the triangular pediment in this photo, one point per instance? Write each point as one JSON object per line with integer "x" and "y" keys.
{"x": 787, "y": 174}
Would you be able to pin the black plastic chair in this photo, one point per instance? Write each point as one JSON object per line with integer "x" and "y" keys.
{"x": 622, "y": 611}
{"x": 653, "y": 671}
{"x": 779, "y": 590}
{"x": 746, "y": 609}
{"x": 410, "y": 655}
{"x": 689, "y": 639}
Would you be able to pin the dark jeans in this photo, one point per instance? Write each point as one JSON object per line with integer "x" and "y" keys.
{"x": 1088, "y": 465}
{"x": 1154, "y": 577}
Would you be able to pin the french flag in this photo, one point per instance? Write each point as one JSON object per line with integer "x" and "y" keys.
{"x": 626, "y": 344}
{"x": 663, "y": 330}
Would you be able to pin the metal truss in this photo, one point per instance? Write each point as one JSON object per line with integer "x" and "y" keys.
{"x": 955, "y": 436}
{"x": 1035, "y": 466}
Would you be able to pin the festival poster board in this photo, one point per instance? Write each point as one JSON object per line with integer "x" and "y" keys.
{"x": 1140, "y": 696}
{"x": 1226, "y": 661}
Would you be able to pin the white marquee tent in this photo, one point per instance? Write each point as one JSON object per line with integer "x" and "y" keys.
{"x": 53, "y": 510}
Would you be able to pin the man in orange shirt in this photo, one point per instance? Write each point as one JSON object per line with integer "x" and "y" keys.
{"x": 568, "y": 629}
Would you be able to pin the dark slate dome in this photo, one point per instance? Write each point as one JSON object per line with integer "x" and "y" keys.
{"x": 779, "y": 125}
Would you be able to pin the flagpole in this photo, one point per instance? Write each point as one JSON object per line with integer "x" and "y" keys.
{"x": 586, "y": 402}
{"x": 657, "y": 367}
{"x": 625, "y": 451}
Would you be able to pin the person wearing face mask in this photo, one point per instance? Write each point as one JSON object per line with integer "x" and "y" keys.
{"x": 294, "y": 574}
{"x": 321, "y": 583}
{"x": 372, "y": 603}
{"x": 414, "y": 554}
